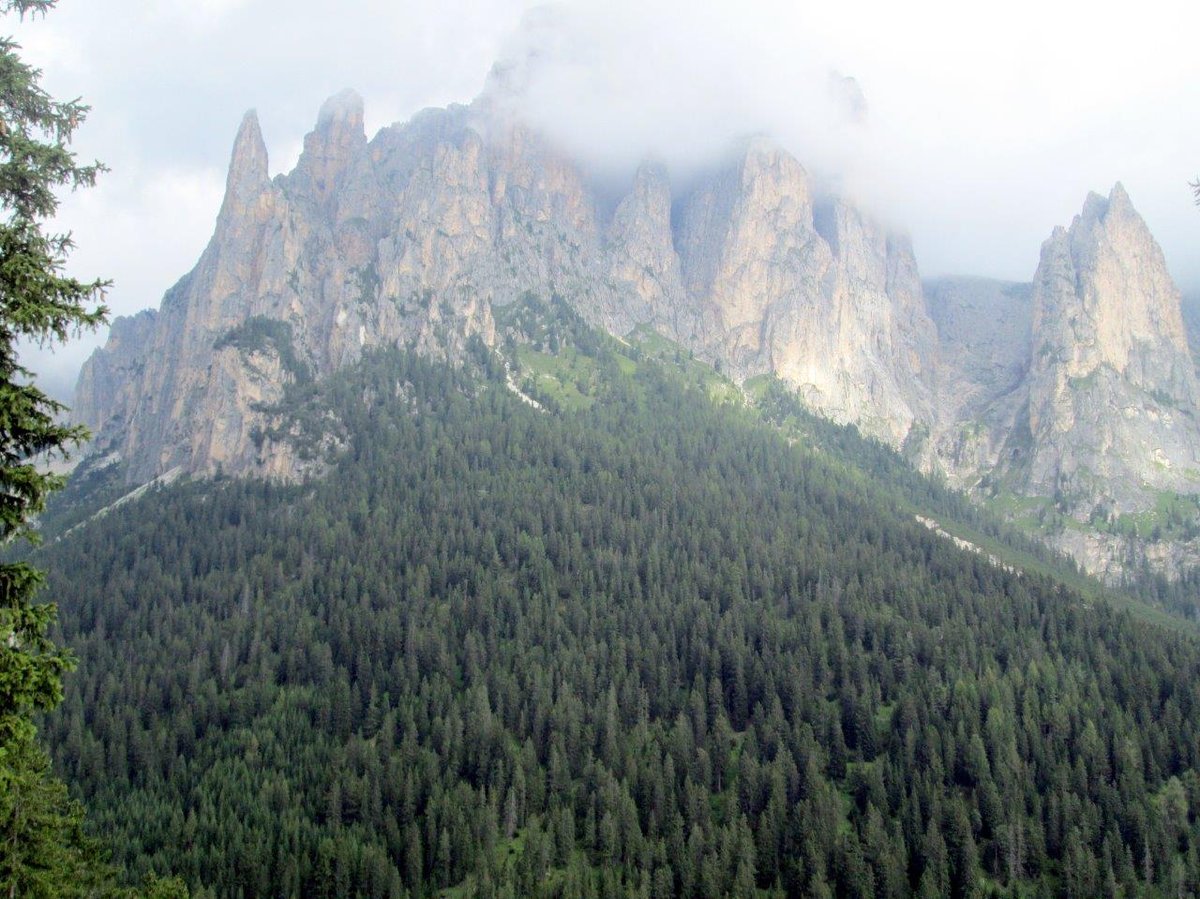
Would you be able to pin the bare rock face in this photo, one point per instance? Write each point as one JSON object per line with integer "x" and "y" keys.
{"x": 107, "y": 381}
{"x": 414, "y": 237}
{"x": 811, "y": 290}
{"x": 984, "y": 330}
{"x": 301, "y": 257}
{"x": 1112, "y": 408}
{"x": 642, "y": 258}
{"x": 1078, "y": 391}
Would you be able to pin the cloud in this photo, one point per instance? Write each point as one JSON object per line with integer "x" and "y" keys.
{"x": 679, "y": 82}
{"x": 987, "y": 126}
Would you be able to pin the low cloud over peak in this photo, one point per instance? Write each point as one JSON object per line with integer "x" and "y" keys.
{"x": 629, "y": 81}
{"x": 977, "y": 134}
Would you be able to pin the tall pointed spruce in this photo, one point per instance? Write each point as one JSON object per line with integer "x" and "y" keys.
{"x": 42, "y": 847}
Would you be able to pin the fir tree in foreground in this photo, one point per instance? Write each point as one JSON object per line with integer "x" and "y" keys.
{"x": 43, "y": 848}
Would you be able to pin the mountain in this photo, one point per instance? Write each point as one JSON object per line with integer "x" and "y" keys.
{"x": 415, "y": 237}
{"x": 422, "y": 235}
{"x": 809, "y": 289}
{"x": 1076, "y": 396}
{"x": 1113, "y": 398}
{"x": 1112, "y": 387}
{"x": 537, "y": 549}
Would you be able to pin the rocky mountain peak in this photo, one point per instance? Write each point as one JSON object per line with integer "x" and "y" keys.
{"x": 1112, "y": 389}
{"x": 642, "y": 249}
{"x": 247, "y": 166}
{"x": 1118, "y": 200}
{"x": 652, "y": 187}
{"x": 1123, "y": 295}
{"x": 768, "y": 167}
{"x": 330, "y": 148}
{"x": 1117, "y": 204}
{"x": 344, "y": 110}
{"x": 1094, "y": 208}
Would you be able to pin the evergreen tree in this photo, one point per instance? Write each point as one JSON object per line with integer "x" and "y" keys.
{"x": 43, "y": 849}
{"x": 37, "y": 303}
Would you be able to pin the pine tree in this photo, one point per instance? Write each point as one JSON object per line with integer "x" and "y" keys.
{"x": 43, "y": 850}
{"x": 37, "y": 303}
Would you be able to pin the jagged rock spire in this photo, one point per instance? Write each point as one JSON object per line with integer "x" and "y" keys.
{"x": 344, "y": 110}
{"x": 331, "y": 146}
{"x": 247, "y": 165}
{"x": 1112, "y": 390}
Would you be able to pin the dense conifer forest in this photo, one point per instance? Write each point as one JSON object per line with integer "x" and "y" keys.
{"x": 634, "y": 643}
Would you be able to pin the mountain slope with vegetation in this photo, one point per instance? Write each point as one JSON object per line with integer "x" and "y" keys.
{"x": 424, "y": 235}
{"x": 630, "y": 641}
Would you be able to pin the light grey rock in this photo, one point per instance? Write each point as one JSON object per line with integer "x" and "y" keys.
{"x": 1112, "y": 408}
{"x": 984, "y": 330}
{"x": 104, "y": 392}
{"x": 642, "y": 259}
{"x": 1079, "y": 388}
{"x": 414, "y": 237}
{"x": 809, "y": 289}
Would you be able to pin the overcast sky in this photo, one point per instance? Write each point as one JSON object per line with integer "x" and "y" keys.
{"x": 984, "y": 129}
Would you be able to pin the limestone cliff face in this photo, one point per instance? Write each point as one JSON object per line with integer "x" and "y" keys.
{"x": 108, "y": 381}
{"x": 1077, "y": 392}
{"x": 985, "y": 336}
{"x": 1079, "y": 386}
{"x": 643, "y": 262}
{"x": 1112, "y": 409}
{"x": 811, "y": 290}
{"x": 414, "y": 237}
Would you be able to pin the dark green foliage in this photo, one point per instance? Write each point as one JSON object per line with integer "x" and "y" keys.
{"x": 39, "y": 303}
{"x": 549, "y": 326}
{"x": 42, "y": 847}
{"x": 649, "y": 648}
{"x": 890, "y": 471}
{"x": 258, "y": 334}
{"x": 44, "y": 850}
{"x": 1144, "y": 590}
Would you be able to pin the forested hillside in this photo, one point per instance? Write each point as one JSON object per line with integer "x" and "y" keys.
{"x": 631, "y": 643}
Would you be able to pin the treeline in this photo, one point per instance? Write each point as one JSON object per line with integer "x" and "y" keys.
{"x": 648, "y": 649}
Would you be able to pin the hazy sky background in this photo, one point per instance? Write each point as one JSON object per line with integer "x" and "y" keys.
{"x": 986, "y": 125}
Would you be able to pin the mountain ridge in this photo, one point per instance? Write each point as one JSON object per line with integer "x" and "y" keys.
{"x": 415, "y": 237}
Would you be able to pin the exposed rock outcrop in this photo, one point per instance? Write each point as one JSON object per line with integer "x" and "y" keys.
{"x": 1112, "y": 410}
{"x": 1079, "y": 389}
{"x": 984, "y": 330}
{"x": 809, "y": 289}
{"x": 414, "y": 237}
